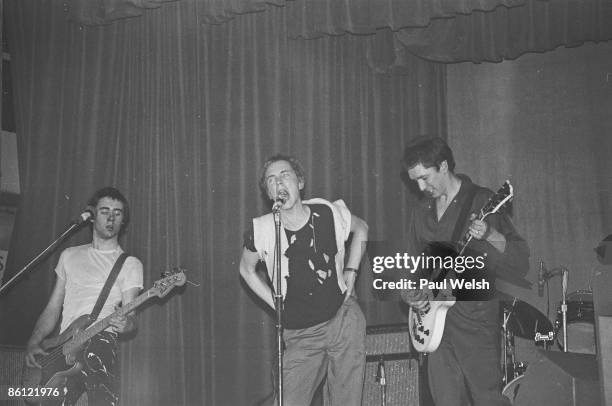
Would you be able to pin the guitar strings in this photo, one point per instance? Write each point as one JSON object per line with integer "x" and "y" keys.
{"x": 51, "y": 357}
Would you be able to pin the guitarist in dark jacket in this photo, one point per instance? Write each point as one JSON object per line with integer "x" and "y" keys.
{"x": 81, "y": 274}
{"x": 465, "y": 369}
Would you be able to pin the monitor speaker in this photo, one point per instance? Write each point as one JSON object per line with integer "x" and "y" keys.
{"x": 557, "y": 378}
{"x": 392, "y": 370}
{"x": 11, "y": 368}
{"x": 602, "y": 286}
{"x": 11, "y": 363}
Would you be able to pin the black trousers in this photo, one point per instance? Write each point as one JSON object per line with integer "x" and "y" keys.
{"x": 466, "y": 367}
{"x": 98, "y": 374}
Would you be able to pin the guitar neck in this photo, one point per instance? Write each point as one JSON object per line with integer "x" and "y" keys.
{"x": 86, "y": 335}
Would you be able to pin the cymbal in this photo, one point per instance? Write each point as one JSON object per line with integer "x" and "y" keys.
{"x": 525, "y": 320}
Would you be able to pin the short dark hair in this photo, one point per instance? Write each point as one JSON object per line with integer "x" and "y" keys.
{"x": 428, "y": 152}
{"x": 115, "y": 194}
{"x": 295, "y": 165}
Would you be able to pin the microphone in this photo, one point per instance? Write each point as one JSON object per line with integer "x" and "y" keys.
{"x": 279, "y": 201}
{"x": 541, "y": 279}
{"x": 85, "y": 217}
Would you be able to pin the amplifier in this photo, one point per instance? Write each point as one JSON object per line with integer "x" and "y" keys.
{"x": 11, "y": 368}
{"x": 388, "y": 355}
{"x": 11, "y": 363}
{"x": 560, "y": 379}
{"x": 388, "y": 339}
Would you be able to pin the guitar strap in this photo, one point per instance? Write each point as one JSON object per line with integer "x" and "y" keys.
{"x": 463, "y": 215}
{"x": 461, "y": 219}
{"x": 112, "y": 277}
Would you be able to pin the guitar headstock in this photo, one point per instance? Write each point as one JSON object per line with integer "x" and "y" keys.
{"x": 174, "y": 277}
{"x": 499, "y": 200}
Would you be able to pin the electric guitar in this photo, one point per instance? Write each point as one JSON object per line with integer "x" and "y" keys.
{"x": 427, "y": 325}
{"x": 64, "y": 357}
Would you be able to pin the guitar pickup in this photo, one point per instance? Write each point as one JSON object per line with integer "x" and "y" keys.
{"x": 422, "y": 330}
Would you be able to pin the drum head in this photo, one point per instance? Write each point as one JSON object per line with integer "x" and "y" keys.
{"x": 512, "y": 389}
{"x": 580, "y": 338}
{"x": 580, "y": 323}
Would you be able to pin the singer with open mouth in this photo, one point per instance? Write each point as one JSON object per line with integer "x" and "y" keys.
{"x": 324, "y": 325}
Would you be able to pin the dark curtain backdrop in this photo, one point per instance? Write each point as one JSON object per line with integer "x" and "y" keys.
{"x": 180, "y": 115}
{"x": 544, "y": 122}
{"x": 309, "y": 18}
{"x": 442, "y": 31}
{"x": 507, "y": 33}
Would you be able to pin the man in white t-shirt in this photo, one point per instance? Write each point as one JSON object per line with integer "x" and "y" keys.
{"x": 81, "y": 274}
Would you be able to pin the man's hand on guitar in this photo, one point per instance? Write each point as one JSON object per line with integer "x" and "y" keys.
{"x": 417, "y": 298}
{"x": 32, "y": 350}
{"x": 481, "y": 230}
{"x": 121, "y": 323}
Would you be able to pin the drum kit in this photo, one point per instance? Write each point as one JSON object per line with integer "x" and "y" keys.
{"x": 520, "y": 319}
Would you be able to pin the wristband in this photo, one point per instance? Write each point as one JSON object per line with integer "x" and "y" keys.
{"x": 351, "y": 270}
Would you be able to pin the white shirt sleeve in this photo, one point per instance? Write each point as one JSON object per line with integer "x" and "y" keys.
{"x": 132, "y": 274}
{"x": 346, "y": 216}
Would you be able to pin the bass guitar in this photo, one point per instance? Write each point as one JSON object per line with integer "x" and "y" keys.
{"x": 426, "y": 325}
{"x": 64, "y": 352}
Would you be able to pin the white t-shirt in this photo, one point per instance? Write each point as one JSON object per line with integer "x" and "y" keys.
{"x": 85, "y": 270}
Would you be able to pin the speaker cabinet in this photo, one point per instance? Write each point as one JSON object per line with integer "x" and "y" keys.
{"x": 388, "y": 339}
{"x": 604, "y": 332}
{"x": 560, "y": 379}
{"x": 388, "y": 355}
{"x": 11, "y": 362}
{"x": 11, "y": 368}
{"x": 401, "y": 383}
{"x": 602, "y": 286}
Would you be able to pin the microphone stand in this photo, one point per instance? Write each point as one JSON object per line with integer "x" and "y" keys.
{"x": 564, "y": 277}
{"x": 278, "y": 303}
{"x": 508, "y": 340}
{"x": 564, "y": 306}
{"x": 67, "y": 233}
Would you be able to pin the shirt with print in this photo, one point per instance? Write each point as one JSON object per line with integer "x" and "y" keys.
{"x": 313, "y": 295}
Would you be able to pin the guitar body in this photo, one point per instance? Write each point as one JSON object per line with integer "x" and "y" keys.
{"x": 427, "y": 326}
{"x": 60, "y": 363}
